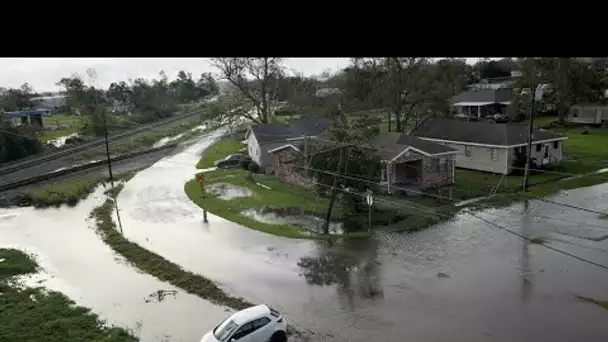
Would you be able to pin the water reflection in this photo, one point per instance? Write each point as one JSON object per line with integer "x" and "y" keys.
{"x": 350, "y": 264}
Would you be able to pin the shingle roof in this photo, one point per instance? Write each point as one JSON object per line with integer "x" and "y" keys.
{"x": 481, "y": 132}
{"x": 390, "y": 145}
{"x": 292, "y": 129}
{"x": 485, "y": 95}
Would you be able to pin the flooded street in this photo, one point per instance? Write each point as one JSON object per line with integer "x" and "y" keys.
{"x": 462, "y": 280}
{"x": 458, "y": 281}
{"x": 77, "y": 263}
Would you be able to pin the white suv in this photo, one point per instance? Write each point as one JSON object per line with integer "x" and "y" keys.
{"x": 258, "y": 323}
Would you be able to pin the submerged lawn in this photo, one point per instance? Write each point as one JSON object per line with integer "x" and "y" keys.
{"x": 280, "y": 195}
{"x": 31, "y": 314}
{"x": 220, "y": 150}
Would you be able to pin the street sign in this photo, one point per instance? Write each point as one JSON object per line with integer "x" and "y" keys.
{"x": 369, "y": 198}
{"x": 200, "y": 178}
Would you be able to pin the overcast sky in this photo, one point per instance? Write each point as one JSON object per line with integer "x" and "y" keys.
{"x": 43, "y": 73}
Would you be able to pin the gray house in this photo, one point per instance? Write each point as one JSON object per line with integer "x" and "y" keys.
{"x": 263, "y": 138}
{"x": 409, "y": 162}
{"x": 482, "y": 102}
{"x": 492, "y": 147}
{"x": 588, "y": 113}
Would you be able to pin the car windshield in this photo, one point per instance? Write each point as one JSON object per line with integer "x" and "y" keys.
{"x": 224, "y": 330}
{"x": 232, "y": 156}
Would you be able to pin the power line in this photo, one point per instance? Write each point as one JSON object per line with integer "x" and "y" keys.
{"x": 507, "y": 230}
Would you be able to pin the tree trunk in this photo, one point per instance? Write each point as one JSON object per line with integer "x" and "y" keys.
{"x": 561, "y": 114}
{"x": 334, "y": 192}
{"x": 390, "y": 122}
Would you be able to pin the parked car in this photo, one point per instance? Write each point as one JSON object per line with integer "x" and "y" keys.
{"x": 258, "y": 323}
{"x": 233, "y": 160}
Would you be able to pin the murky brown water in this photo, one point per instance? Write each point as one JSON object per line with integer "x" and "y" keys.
{"x": 459, "y": 281}
{"x": 77, "y": 263}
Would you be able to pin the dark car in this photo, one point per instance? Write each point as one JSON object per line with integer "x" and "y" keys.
{"x": 233, "y": 160}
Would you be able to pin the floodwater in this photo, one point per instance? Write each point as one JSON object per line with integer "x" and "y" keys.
{"x": 164, "y": 141}
{"x": 463, "y": 280}
{"x": 227, "y": 191}
{"x": 60, "y": 141}
{"x": 77, "y": 263}
{"x": 309, "y": 222}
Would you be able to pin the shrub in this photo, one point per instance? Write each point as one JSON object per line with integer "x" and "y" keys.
{"x": 254, "y": 167}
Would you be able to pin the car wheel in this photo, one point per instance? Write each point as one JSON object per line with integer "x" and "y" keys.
{"x": 278, "y": 336}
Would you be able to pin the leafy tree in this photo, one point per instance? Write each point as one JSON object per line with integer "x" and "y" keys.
{"x": 206, "y": 86}
{"x": 16, "y": 143}
{"x": 257, "y": 79}
{"x": 17, "y": 99}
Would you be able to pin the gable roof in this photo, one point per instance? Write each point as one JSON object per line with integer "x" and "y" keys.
{"x": 391, "y": 145}
{"x": 292, "y": 129}
{"x": 485, "y": 96}
{"x": 486, "y": 133}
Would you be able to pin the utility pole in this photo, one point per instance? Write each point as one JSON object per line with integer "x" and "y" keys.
{"x": 530, "y": 130}
{"x": 105, "y": 132}
{"x": 306, "y": 170}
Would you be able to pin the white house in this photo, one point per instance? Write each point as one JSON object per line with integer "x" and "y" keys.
{"x": 493, "y": 147}
{"x": 263, "y": 138}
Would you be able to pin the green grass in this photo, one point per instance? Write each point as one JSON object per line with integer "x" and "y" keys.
{"x": 70, "y": 192}
{"x": 281, "y": 195}
{"x": 220, "y": 150}
{"x": 158, "y": 266}
{"x": 60, "y": 119}
{"x": 602, "y": 303}
{"x": 146, "y": 139}
{"x": 32, "y": 314}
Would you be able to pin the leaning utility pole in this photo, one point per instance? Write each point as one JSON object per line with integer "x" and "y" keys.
{"x": 530, "y": 130}
{"x": 105, "y": 133}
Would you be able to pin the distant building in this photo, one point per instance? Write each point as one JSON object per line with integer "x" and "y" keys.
{"x": 481, "y": 103}
{"x": 26, "y": 118}
{"x": 52, "y": 104}
{"x": 588, "y": 113}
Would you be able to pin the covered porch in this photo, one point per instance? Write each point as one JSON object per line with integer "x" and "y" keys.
{"x": 480, "y": 109}
{"x": 402, "y": 177}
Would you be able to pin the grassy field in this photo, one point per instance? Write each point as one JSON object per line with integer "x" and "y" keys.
{"x": 75, "y": 121}
{"x": 220, "y": 150}
{"x": 146, "y": 139}
{"x": 32, "y": 314}
{"x": 70, "y": 192}
{"x": 158, "y": 266}
{"x": 280, "y": 195}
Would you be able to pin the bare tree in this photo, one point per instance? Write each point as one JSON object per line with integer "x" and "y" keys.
{"x": 257, "y": 79}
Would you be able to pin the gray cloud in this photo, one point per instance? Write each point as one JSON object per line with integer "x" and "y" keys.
{"x": 43, "y": 73}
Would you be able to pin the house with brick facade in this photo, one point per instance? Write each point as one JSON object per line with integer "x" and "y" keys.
{"x": 408, "y": 163}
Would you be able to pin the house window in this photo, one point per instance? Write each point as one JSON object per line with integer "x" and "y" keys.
{"x": 538, "y": 147}
{"x": 442, "y": 164}
{"x": 467, "y": 151}
{"x": 546, "y": 151}
{"x": 493, "y": 154}
{"x": 556, "y": 145}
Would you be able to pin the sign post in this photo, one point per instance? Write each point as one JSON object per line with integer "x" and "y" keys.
{"x": 370, "y": 201}
{"x": 200, "y": 179}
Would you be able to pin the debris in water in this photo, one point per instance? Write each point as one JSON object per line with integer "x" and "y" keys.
{"x": 160, "y": 295}
{"x": 442, "y": 275}
{"x": 263, "y": 186}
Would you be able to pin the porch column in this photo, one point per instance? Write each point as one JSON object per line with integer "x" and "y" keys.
{"x": 479, "y": 111}
{"x": 389, "y": 176}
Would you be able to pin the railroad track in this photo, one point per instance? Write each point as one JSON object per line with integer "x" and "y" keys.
{"x": 22, "y": 164}
{"x": 51, "y": 175}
